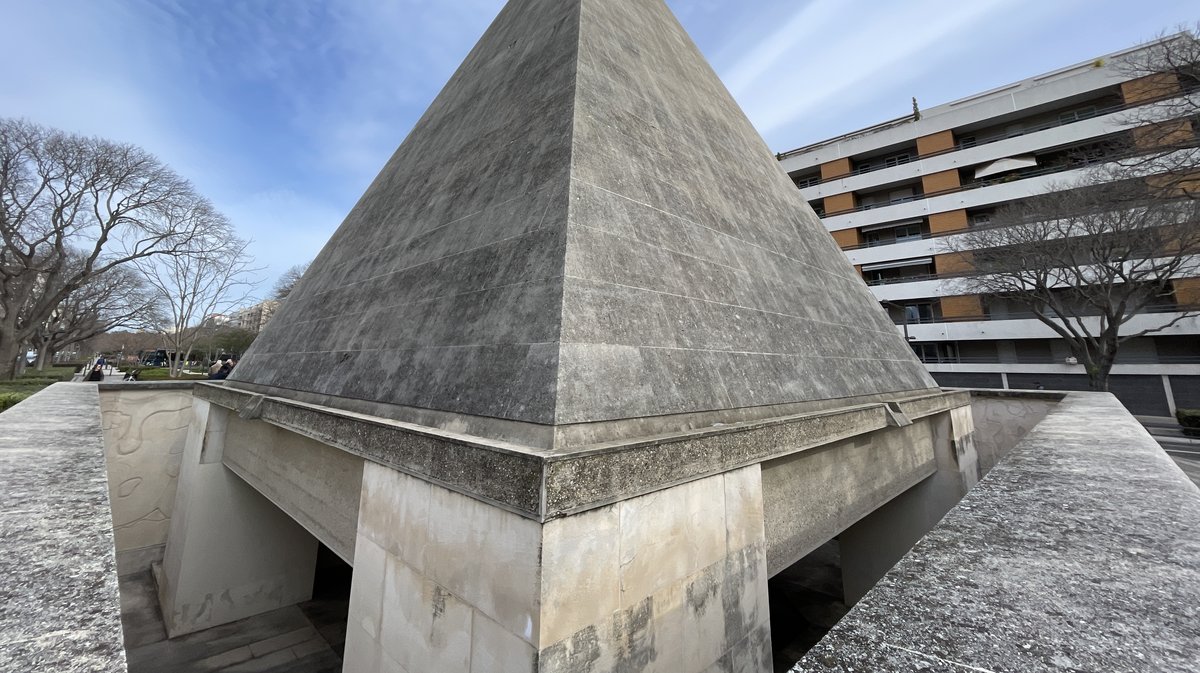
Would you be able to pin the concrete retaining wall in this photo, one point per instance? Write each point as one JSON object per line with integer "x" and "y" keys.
{"x": 145, "y": 427}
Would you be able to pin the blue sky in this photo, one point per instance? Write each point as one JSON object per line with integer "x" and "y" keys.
{"x": 282, "y": 111}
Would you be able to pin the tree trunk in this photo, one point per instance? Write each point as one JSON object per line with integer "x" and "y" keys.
{"x": 10, "y": 348}
{"x": 1098, "y": 376}
{"x": 43, "y": 357}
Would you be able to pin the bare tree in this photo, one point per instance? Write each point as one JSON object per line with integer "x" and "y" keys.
{"x": 1085, "y": 260}
{"x": 63, "y": 195}
{"x": 287, "y": 281}
{"x": 198, "y": 285}
{"x": 1164, "y": 92}
{"x": 117, "y": 298}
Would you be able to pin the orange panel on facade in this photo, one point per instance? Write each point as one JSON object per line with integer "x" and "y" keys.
{"x": 1149, "y": 87}
{"x": 847, "y": 238}
{"x": 835, "y": 169}
{"x": 1187, "y": 291}
{"x": 965, "y": 306}
{"x": 1166, "y": 134}
{"x": 950, "y": 221}
{"x": 935, "y": 142}
{"x": 839, "y": 203}
{"x": 940, "y": 182}
{"x": 954, "y": 262}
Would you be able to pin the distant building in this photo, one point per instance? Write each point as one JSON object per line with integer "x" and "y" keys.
{"x": 254, "y": 318}
{"x": 889, "y": 194}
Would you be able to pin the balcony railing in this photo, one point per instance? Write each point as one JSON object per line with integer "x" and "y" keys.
{"x": 905, "y": 279}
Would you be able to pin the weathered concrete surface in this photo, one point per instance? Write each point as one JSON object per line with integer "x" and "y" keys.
{"x": 583, "y": 227}
{"x": 671, "y": 581}
{"x": 314, "y": 483}
{"x": 231, "y": 553}
{"x": 59, "y": 602}
{"x": 1080, "y": 551}
{"x": 541, "y": 483}
{"x": 1003, "y": 418}
{"x": 145, "y": 429}
{"x": 813, "y": 495}
{"x": 874, "y": 544}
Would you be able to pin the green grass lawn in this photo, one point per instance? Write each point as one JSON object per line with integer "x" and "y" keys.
{"x": 30, "y": 382}
{"x": 161, "y": 374}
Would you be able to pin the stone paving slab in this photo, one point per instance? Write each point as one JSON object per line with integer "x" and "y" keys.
{"x": 282, "y": 640}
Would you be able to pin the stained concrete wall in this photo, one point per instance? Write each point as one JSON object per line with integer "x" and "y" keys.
{"x": 811, "y": 496}
{"x": 231, "y": 553}
{"x": 879, "y": 540}
{"x": 316, "y": 484}
{"x": 671, "y": 581}
{"x": 1002, "y": 419}
{"x": 145, "y": 429}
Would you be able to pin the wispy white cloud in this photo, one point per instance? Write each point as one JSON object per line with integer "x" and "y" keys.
{"x": 830, "y": 47}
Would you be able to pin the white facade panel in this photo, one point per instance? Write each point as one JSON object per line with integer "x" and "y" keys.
{"x": 1031, "y": 328}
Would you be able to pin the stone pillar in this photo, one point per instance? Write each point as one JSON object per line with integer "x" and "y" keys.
{"x": 872, "y": 546}
{"x": 674, "y": 580}
{"x": 230, "y": 553}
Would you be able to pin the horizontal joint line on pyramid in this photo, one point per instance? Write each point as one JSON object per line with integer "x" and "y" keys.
{"x": 738, "y": 306}
{"x": 456, "y": 221}
{"x": 719, "y": 232}
{"x": 342, "y": 316}
{"x": 737, "y": 352}
{"x": 429, "y": 261}
{"x": 706, "y": 260}
{"x": 398, "y": 350}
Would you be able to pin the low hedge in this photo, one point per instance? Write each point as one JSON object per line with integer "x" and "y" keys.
{"x": 9, "y": 399}
{"x": 1190, "y": 420}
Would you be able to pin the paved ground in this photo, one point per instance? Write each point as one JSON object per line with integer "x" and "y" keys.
{"x": 1190, "y": 467}
{"x": 295, "y": 639}
{"x": 1184, "y": 449}
{"x": 806, "y": 601}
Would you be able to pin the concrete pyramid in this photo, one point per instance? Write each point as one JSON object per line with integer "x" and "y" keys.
{"x": 583, "y": 228}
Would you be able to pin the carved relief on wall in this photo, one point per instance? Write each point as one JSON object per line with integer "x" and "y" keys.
{"x": 144, "y": 436}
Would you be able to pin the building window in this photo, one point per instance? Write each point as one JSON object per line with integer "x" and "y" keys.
{"x": 936, "y": 352}
{"x": 916, "y": 314}
{"x": 909, "y": 232}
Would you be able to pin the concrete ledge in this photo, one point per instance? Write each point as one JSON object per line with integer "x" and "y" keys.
{"x": 1079, "y": 551}
{"x": 148, "y": 385}
{"x": 59, "y": 603}
{"x": 544, "y": 484}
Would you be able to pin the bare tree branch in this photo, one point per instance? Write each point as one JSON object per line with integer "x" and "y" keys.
{"x": 1086, "y": 259}
{"x": 73, "y": 208}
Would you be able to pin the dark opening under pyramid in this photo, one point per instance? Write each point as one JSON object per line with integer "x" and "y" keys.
{"x": 582, "y": 227}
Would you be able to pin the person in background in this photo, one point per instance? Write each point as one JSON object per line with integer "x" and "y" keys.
{"x": 216, "y": 367}
{"x": 223, "y": 372}
{"x": 97, "y": 373}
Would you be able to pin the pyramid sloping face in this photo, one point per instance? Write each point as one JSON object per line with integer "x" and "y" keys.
{"x": 583, "y": 227}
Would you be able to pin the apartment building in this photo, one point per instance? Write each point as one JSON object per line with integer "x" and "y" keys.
{"x": 892, "y": 193}
{"x": 254, "y": 318}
